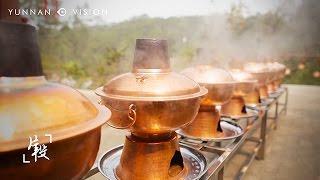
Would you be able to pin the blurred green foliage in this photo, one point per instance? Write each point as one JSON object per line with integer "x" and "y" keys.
{"x": 304, "y": 75}
{"x": 101, "y": 52}
{"x": 95, "y": 54}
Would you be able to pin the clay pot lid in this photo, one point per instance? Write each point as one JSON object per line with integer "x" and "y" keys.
{"x": 207, "y": 74}
{"x": 151, "y": 78}
{"x": 32, "y": 106}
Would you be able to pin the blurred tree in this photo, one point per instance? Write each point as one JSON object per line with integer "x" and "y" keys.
{"x": 47, "y": 21}
{"x": 236, "y": 19}
{"x": 97, "y": 52}
{"x": 74, "y": 68}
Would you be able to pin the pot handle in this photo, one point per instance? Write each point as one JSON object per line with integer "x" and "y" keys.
{"x": 132, "y": 115}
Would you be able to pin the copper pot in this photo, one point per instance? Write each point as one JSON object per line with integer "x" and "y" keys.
{"x": 220, "y": 85}
{"x": 244, "y": 85}
{"x": 29, "y": 105}
{"x": 151, "y": 102}
{"x": 245, "y": 82}
{"x": 262, "y": 74}
{"x": 32, "y": 106}
{"x": 151, "y": 99}
{"x": 164, "y": 111}
{"x": 278, "y": 75}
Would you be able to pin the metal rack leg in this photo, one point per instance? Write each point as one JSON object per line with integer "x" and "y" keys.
{"x": 286, "y": 101}
{"x": 276, "y": 115}
{"x": 220, "y": 174}
{"x": 263, "y": 131}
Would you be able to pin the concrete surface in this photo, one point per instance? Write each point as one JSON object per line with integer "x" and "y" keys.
{"x": 293, "y": 150}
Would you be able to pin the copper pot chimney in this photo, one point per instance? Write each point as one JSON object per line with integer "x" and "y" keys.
{"x": 19, "y": 53}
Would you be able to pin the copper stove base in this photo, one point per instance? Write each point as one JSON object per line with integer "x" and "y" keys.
{"x": 205, "y": 125}
{"x": 194, "y": 163}
{"x": 234, "y": 107}
{"x": 231, "y": 130}
{"x": 272, "y": 87}
{"x": 151, "y": 159}
{"x": 252, "y": 98}
{"x": 263, "y": 91}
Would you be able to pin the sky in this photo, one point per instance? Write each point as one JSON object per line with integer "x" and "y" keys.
{"x": 121, "y": 10}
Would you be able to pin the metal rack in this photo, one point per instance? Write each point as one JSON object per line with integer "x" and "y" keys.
{"x": 219, "y": 153}
{"x": 216, "y": 166}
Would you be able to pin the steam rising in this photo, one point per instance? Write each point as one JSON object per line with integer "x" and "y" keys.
{"x": 290, "y": 30}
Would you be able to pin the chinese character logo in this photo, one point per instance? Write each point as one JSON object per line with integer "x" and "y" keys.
{"x": 39, "y": 150}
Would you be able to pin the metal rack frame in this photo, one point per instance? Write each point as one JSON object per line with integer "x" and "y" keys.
{"x": 216, "y": 164}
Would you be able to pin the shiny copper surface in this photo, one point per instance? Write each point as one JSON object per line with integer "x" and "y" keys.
{"x": 218, "y": 94}
{"x": 220, "y": 85}
{"x": 32, "y": 106}
{"x": 278, "y": 70}
{"x": 272, "y": 87}
{"x": 205, "y": 125}
{"x": 245, "y": 84}
{"x": 253, "y": 98}
{"x": 234, "y": 107}
{"x": 160, "y": 97}
{"x": 151, "y": 102}
{"x": 259, "y": 71}
{"x": 277, "y": 83}
{"x": 70, "y": 158}
{"x": 263, "y": 92}
{"x": 149, "y": 86}
{"x": 151, "y": 159}
{"x": 263, "y": 74}
{"x": 154, "y": 117}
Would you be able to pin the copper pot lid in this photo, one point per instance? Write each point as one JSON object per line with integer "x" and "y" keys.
{"x": 256, "y": 67}
{"x": 242, "y": 76}
{"x": 151, "y": 77}
{"x": 219, "y": 83}
{"x": 32, "y": 106}
{"x": 207, "y": 74}
{"x": 259, "y": 71}
{"x": 276, "y": 66}
{"x": 245, "y": 82}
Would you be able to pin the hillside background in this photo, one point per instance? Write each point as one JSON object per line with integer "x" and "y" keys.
{"x": 86, "y": 56}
